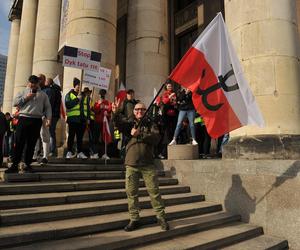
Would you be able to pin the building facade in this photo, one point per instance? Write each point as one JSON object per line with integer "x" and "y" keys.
{"x": 141, "y": 41}
{"x": 3, "y": 61}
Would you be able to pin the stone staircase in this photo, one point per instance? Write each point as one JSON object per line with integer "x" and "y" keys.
{"x": 81, "y": 204}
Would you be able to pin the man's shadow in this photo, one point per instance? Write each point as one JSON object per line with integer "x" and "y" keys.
{"x": 238, "y": 200}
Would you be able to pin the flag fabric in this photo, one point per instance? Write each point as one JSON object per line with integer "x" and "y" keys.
{"x": 62, "y": 105}
{"x": 121, "y": 95}
{"x": 212, "y": 71}
{"x": 107, "y": 138}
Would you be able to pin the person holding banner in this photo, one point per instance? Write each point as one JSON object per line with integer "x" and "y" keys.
{"x": 75, "y": 119}
{"x": 139, "y": 161}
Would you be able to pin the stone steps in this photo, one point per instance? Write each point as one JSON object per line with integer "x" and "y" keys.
{"x": 127, "y": 240}
{"x": 81, "y": 204}
{"x": 46, "y": 199}
{"x": 77, "y": 175}
{"x": 66, "y": 211}
{"x": 260, "y": 243}
{"x": 29, "y": 233}
{"x": 85, "y": 161}
{"x": 68, "y": 186}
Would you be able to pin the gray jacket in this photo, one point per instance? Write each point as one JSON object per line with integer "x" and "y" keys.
{"x": 37, "y": 107}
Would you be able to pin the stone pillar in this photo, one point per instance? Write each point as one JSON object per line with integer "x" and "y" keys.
{"x": 91, "y": 25}
{"x": 265, "y": 36}
{"x": 26, "y": 44}
{"x": 11, "y": 65}
{"x": 47, "y": 38}
{"x": 147, "y": 61}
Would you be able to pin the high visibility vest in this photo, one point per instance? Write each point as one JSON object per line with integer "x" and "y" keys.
{"x": 92, "y": 113}
{"x": 75, "y": 111}
{"x": 117, "y": 134}
{"x": 198, "y": 120}
{"x": 85, "y": 107}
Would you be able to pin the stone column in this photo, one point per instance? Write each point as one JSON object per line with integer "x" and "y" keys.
{"x": 147, "y": 61}
{"x": 11, "y": 65}
{"x": 91, "y": 25}
{"x": 47, "y": 38}
{"x": 26, "y": 44}
{"x": 265, "y": 36}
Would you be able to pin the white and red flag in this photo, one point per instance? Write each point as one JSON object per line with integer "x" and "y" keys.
{"x": 107, "y": 138}
{"x": 121, "y": 95}
{"x": 212, "y": 71}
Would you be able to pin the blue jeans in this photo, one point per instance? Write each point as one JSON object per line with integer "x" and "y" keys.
{"x": 191, "y": 117}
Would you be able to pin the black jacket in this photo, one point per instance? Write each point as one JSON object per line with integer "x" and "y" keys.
{"x": 184, "y": 100}
{"x": 3, "y": 124}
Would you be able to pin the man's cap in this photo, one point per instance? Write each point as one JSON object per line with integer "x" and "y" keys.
{"x": 102, "y": 92}
{"x": 86, "y": 89}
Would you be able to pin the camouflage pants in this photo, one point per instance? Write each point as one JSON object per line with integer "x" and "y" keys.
{"x": 132, "y": 185}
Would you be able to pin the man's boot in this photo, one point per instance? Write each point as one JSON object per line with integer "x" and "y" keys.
{"x": 132, "y": 225}
{"x": 163, "y": 224}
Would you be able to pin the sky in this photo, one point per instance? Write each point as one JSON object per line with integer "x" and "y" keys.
{"x": 4, "y": 25}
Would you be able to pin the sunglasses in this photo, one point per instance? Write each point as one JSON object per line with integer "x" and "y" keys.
{"x": 140, "y": 109}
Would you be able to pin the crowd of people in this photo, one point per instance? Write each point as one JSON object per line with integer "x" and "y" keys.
{"x": 121, "y": 128}
{"x": 38, "y": 107}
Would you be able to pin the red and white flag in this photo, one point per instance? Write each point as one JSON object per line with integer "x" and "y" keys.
{"x": 212, "y": 71}
{"x": 107, "y": 138}
{"x": 121, "y": 95}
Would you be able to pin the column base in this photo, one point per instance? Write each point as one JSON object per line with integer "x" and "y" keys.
{"x": 284, "y": 146}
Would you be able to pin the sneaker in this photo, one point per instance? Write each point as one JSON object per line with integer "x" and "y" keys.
{"x": 44, "y": 161}
{"x": 81, "y": 155}
{"x": 163, "y": 224}
{"x": 194, "y": 142}
{"x": 173, "y": 142}
{"x": 160, "y": 156}
{"x": 70, "y": 155}
{"x": 12, "y": 169}
{"x": 105, "y": 157}
{"x": 94, "y": 156}
{"x": 132, "y": 225}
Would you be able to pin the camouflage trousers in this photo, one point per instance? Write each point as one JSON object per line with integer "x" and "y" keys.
{"x": 149, "y": 175}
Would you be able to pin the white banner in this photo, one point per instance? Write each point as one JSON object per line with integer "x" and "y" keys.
{"x": 81, "y": 59}
{"x": 99, "y": 79}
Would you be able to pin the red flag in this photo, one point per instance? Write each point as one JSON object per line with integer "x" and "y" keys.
{"x": 121, "y": 93}
{"x": 107, "y": 138}
{"x": 212, "y": 71}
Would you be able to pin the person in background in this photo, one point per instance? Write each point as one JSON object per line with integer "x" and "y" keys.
{"x": 202, "y": 137}
{"x": 186, "y": 108}
{"x": 8, "y": 136}
{"x": 34, "y": 105}
{"x": 169, "y": 115}
{"x": 139, "y": 162}
{"x": 90, "y": 116}
{"x": 128, "y": 105}
{"x": 102, "y": 108}
{"x": 75, "y": 119}
{"x": 3, "y": 130}
{"x": 44, "y": 133}
{"x": 54, "y": 93}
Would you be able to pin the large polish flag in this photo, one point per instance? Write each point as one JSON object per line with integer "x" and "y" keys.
{"x": 212, "y": 71}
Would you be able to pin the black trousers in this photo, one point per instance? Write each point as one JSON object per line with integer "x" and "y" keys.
{"x": 27, "y": 133}
{"x": 1, "y": 149}
{"x": 76, "y": 128}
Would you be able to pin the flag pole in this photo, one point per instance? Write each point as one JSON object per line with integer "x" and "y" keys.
{"x": 148, "y": 109}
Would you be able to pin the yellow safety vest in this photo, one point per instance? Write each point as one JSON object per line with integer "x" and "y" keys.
{"x": 117, "y": 134}
{"x": 92, "y": 113}
{"x": 75, "y": 111}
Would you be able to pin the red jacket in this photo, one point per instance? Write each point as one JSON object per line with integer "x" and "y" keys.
{"x": 99, "y": 109}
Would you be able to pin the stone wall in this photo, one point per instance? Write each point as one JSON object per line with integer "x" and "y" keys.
{"x": 264, "y": 192}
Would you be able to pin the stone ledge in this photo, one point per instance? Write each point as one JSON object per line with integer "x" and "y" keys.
{"x": 183, "y": 152}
